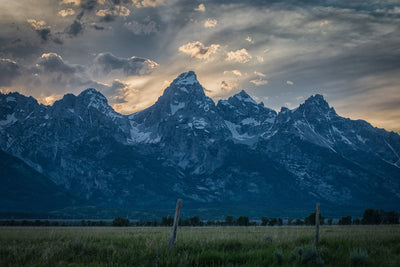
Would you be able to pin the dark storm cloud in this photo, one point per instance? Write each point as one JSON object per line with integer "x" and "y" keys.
{"x": 119, "y": 90}
{"x": 108, "y": 18}
{"x": 9, "y": 70}
{"x": 88, "y": 4}
{"x": 99, "y": 28}
{"x": 58, "y": 41}
{"x": 51, "y": 75}
{"x": 142, "y": 28}
{"x": 107, "y": 62}
{"x": 51, "y": 62}
{"x": 40, "y": 28}
{"x": 75, "y": 28}
{"x": 80, "y": 15}
{"x": 44, "y": 34}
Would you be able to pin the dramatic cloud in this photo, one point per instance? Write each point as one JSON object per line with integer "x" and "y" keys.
{"x": 9, "y": 70}
{"x": 210, "y": 23}
{"x": 147, "y": 3}
{"x": 201, "y": 8}
{"x": 52, "y": 62}
{"x": 70, "y": 2}
{"x": 228, "y": 86}
{"x": 325, "y": 47}
{"x": 111, "y": 13}
{"x": 66, "y": 12}
{"x": 241, "y": 56}
{"x": 41, "y": 28}
{"x": 120, "y": 92}
{"x": 237, "y": 73}
{"x": 107, "y": 62}
{"x": 259, "y": 82}
{"x": 259, "y": 74}
{"x": 75, "y": 28}
{"x": 138, "y": 28}
{"x": 52, "y": 77}
{"x": 198, "y": 50}
{"x": 249, "y": 39}
{"x": 88, "y": 4}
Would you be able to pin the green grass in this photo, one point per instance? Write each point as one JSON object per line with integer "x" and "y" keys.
{"x": 206, "y": 246}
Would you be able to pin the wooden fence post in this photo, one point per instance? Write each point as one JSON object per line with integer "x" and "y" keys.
{"x": 176, "y": 222}
{"x": 316, "y": 225}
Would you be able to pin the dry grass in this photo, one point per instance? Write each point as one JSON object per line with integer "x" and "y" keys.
{"x": 205, "y": 246}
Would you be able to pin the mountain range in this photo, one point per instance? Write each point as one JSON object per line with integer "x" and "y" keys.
{"x": 233, "y": 157}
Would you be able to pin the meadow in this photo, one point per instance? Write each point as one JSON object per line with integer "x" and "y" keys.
{"x": 200, "y": 246}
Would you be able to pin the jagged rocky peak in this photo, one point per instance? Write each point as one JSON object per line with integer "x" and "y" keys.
{"x": 284, "y": 110}
{"x": 316, "y": 102}
{"x": 92, "y": 94}
{"x": 245, "y": 97}
{"x": 184, "y": 92}
{"x": 186, "y": 78}
{"x": 239, "y": 100}
{"x": 183, "y": 97}
{"x": 186, "y": 83}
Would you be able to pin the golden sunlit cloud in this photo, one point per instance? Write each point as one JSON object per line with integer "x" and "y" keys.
{"x": 200, "y": 8}
{"x": 147, "y": 3}
{"x": 228, "y": 86}
{"x": 210, "y": 23}
{"x": 49, "y": 100}
{"x": 70, "y": 2}
{"x": 325, "y": 22}
{"x": 240, "y": 56}
{"x": 259, "y": 74}
{"x": 259, "y": 82}
{"x": 198, "y": 50}
{"x": 66, "y": 12}
{"x": 250, "y": 40}
{"x": 237, "y": 73}
{"x": 115, "y": 11}
{"x": 289, "y": 82}
{"x": 38, "y": 25}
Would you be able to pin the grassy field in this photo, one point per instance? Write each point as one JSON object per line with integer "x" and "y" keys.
{"x": 206, "y": 246}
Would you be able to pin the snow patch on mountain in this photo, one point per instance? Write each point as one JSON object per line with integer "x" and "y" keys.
{"x": 11, "y": 99}
{"x": 176, "y": 106}
{"x": 250, "y": 121}
{"x": 188, "y": 78}
{"x": 11, "y": 119}
{"x": 200, "y": 123}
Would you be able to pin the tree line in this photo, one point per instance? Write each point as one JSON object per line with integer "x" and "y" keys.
{"x": 370, "y": 217}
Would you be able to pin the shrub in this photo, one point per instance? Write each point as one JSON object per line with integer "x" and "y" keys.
{"x": 310, "y": 220}
{"x": 345, "y": 220}
{"x": 359, "y": 256}
{"x": 278, "y": 256}
{"x": 119, "y": 221}
{"x": 243, "y": 221}
{"x": 296, "y": 253}
{"x": 308, "y": 255}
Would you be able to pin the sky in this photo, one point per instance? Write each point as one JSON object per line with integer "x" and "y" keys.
{"x": 280, "y": 52}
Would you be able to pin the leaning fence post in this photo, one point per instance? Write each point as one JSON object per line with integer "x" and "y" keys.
{"x": 316, "y": 225}
{"x": 176, "y": 221}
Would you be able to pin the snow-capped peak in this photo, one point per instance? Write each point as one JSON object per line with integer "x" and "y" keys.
{"x": 92, "y": 93}
{"x": 243, "y": 96}
{"x": 317, "y": 100}
{"x": 186, "y": 78}
{"x": 93, "y": 98}
{"x": 317, "y": 105}
{"x": 184, "y": 87}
